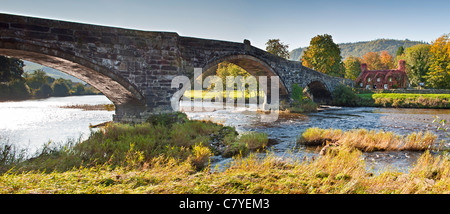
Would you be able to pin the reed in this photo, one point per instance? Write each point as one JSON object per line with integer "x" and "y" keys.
{"x": 369, "y": 141}
{"x": 341, "y": 171}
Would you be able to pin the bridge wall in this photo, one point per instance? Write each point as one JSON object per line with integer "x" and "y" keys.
{"x": 133, "y": 68}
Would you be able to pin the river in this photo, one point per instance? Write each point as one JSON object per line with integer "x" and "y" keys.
{"x": 31, "y": 124}
{"x": 288, "y": 127}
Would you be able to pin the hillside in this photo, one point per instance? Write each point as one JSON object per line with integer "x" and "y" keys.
{"x": 358, "y": 49}
{"x": 31, "y": 66}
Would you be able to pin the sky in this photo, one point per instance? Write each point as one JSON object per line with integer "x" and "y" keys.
{"x": 293, "y": 22}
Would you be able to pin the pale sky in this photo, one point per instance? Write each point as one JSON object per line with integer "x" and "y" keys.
{"x": 293, "y": 22}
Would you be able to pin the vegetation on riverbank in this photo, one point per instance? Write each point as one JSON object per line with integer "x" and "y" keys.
{"x": 86, "y": 107}
{"x": 300, "y": 103}
{"x": 368, "y": 140}
{"x": 345, "y": 96}
{"x": 15, "y": 84}
{"x": 165, "y": 136}
{"x": 170, "y": 154}
{"x": 341, "y": 171}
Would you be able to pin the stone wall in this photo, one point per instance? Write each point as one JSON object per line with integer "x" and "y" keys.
{"x": 133, "y": 68}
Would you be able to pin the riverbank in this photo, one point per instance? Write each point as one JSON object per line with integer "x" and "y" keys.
{"x": 398, "y": 100}
{"x": 168, "y": 136}
{"x": 172, "y": 155}
{"x": 345, "y": 96}
{"x": 340, "y": 172}
{"x": 87, "y": 107}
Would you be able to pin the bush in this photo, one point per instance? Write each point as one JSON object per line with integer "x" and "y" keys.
{"x": 44, "y": 91}
{"x": 345, "y": 96}
{"x": 14, "y": 90}
{"x": 60, "y": 88}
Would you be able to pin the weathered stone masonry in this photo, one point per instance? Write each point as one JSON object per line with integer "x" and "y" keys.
{"x": 134, "y": 69}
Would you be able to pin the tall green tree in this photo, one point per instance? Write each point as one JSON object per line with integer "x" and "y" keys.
{"x": 418, "y": 60}
{"x": 400, "y": 51}
{"x": 10, "y": 69}
{"x": 274, "y": 46}
{"x": 352, "y": 67}
{"x": 439, "y": 74}
{"x": 324, "y": 55}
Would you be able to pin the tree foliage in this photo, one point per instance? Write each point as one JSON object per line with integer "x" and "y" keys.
{"x": 400, "y": 51}
{"x": 352, "y": 67}
{"x": 274, "y": 46}
{"x": 378, "y": 61}
{"x": 225, "y": 69}
{"x": 387, "y": 61}
{"x": 60, "y": 88}
{"x": 418, "y": 61}
{"x": 358, "y": 49}
{"x": 10, "y": 69}
{"x": 439, "y": 74}
{"x": 324, "y": 55}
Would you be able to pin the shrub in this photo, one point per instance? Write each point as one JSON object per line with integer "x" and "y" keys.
{"x": 368, "y": 141}
{"x": 345, "y": 96}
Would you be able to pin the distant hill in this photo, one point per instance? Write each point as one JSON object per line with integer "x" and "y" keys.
{"x": 31, "y": 66}
{"x": 358, "y": 49}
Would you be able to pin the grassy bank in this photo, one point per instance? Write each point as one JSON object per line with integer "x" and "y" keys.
{"x": 406, "y": 100}
{"x": 345, "y": 96}
{"x": 342, "y": 171}
{"x": 171, "y": 154}
{"x": 368, "y": 140}
{"x": 171, "y": 136}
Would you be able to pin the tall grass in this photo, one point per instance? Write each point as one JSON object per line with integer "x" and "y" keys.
{"x": 369, "y": 141}
{"x": 341, "y": 171}
{"x": 127, "y": 145}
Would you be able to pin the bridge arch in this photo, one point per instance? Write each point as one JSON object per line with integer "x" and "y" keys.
{"x": 122, "y": 93}
{"x": 251, "y": 64}
{"x": 319, "y": 92}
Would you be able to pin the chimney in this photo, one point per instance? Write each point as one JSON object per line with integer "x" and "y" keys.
{"x": 363, "y": 67}
{"x": 401, "y": 65}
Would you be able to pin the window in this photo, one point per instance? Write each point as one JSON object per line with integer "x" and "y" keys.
{"x": 369, "y": 79}
{"x": 390, "y": 79}
{"x": 378, "y": 79}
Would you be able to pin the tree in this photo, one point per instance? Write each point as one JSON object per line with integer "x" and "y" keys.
{"x": 352, "y": 67}
{"x": 274, "y": 46}
{"x": 225, "y": 69}
{"x": 439, "y": 74}
{"x": 10, "y": 69}
{"x": 44, "y": 91}
{"x": 60, "y": 88}
{"x": 400, "y": 51}
{"x": 387, "y": 61}
{"x": 78, "y": 89}
{"x": 324, "y": 55}
{"x": 38, "y": 78}
{"x": 418, "y": 61}
{"x": 373, "y": 61}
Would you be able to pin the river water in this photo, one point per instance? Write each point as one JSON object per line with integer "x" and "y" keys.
{"x": 33, "y": 123}
{"x": 288, "y": 127}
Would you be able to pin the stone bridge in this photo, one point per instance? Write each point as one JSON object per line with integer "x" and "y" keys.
{"x": 134, "y": 68}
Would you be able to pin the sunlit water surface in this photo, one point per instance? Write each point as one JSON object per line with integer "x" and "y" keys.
{"x": 32, "y": 123}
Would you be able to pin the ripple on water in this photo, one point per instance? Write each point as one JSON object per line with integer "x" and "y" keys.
{"x": 289, "y": 126}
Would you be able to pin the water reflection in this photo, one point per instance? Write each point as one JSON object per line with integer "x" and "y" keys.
{"x": 32, "y": 123}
